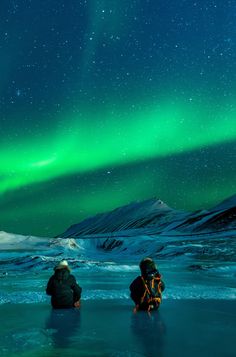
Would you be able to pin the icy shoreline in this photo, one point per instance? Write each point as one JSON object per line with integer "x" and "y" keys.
{"x": 111, "y": 282}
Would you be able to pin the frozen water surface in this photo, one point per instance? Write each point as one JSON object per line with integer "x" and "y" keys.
{"x": 109, "y": 328}
{"x": 197, "y": 317}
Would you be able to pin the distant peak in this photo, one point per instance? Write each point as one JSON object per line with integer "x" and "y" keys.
{"x": 226, "y": 204}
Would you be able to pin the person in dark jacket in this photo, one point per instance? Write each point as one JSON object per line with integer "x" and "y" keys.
{"x": 62, "y": 286}
{"x": 146, "y": 290}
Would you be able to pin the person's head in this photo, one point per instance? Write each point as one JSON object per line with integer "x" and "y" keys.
{"x": 62, "y": 265}
{"x": 148, "y": 268}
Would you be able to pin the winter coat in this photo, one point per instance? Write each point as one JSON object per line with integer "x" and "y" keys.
{"x": 63, "y": 289}
{"x": 147, "y": 294}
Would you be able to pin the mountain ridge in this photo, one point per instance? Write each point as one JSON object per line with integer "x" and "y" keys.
{"x": 154, "y": 213}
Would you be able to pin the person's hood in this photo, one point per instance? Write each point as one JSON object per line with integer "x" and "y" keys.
{"x": 147, "y": 265}
{"x": 63, "y": 264}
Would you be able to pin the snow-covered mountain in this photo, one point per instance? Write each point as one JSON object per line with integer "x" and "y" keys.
{"x": 151, "y": 213}
{"x": 148, "y": 228}
{"x": 218, "y": 218}
{"x": 154, "y": 216}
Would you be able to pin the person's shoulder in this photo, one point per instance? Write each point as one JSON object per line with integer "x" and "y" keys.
{"x": 50, "y": 280}
{"x": 136, "y": 281}
{"x": 72, "y": 277}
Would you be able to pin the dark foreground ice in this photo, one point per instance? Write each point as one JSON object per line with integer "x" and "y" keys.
{"x": 110, "y": 328}
{"x": 194, "y": 320}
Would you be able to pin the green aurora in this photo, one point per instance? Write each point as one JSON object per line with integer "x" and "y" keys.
{"x": 118, "y": 104}
{"x": 168, "y": 130}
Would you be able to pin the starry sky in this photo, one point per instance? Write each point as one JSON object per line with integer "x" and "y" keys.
{"x": 105, "y": 102}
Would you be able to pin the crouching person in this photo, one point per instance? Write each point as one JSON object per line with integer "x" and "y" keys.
{"x": 62, "y": 287}
{"x": 146, "y": 290}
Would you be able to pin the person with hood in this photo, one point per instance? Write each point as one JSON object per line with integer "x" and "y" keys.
{"x": 63, "y": 288}
{"x": 146, "y": 290}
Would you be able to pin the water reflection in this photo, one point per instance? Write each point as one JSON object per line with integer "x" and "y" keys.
{"x": 149, "y": 331}
{"x": 63, "y": 324}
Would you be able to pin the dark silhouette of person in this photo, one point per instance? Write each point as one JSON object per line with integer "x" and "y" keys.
{"x": 146, "y": 290}
{"x": 63, "y": 288}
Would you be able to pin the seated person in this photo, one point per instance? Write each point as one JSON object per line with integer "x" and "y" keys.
{"x": 146, "y": 290}
{"x": 62, "y": 286}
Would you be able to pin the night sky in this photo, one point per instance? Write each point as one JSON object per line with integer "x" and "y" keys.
{"x": 105, "y": 102}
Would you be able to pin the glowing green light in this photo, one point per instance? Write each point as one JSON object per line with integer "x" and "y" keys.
{"x": 43, "y": 163}
{"x": 106, "y": 140}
